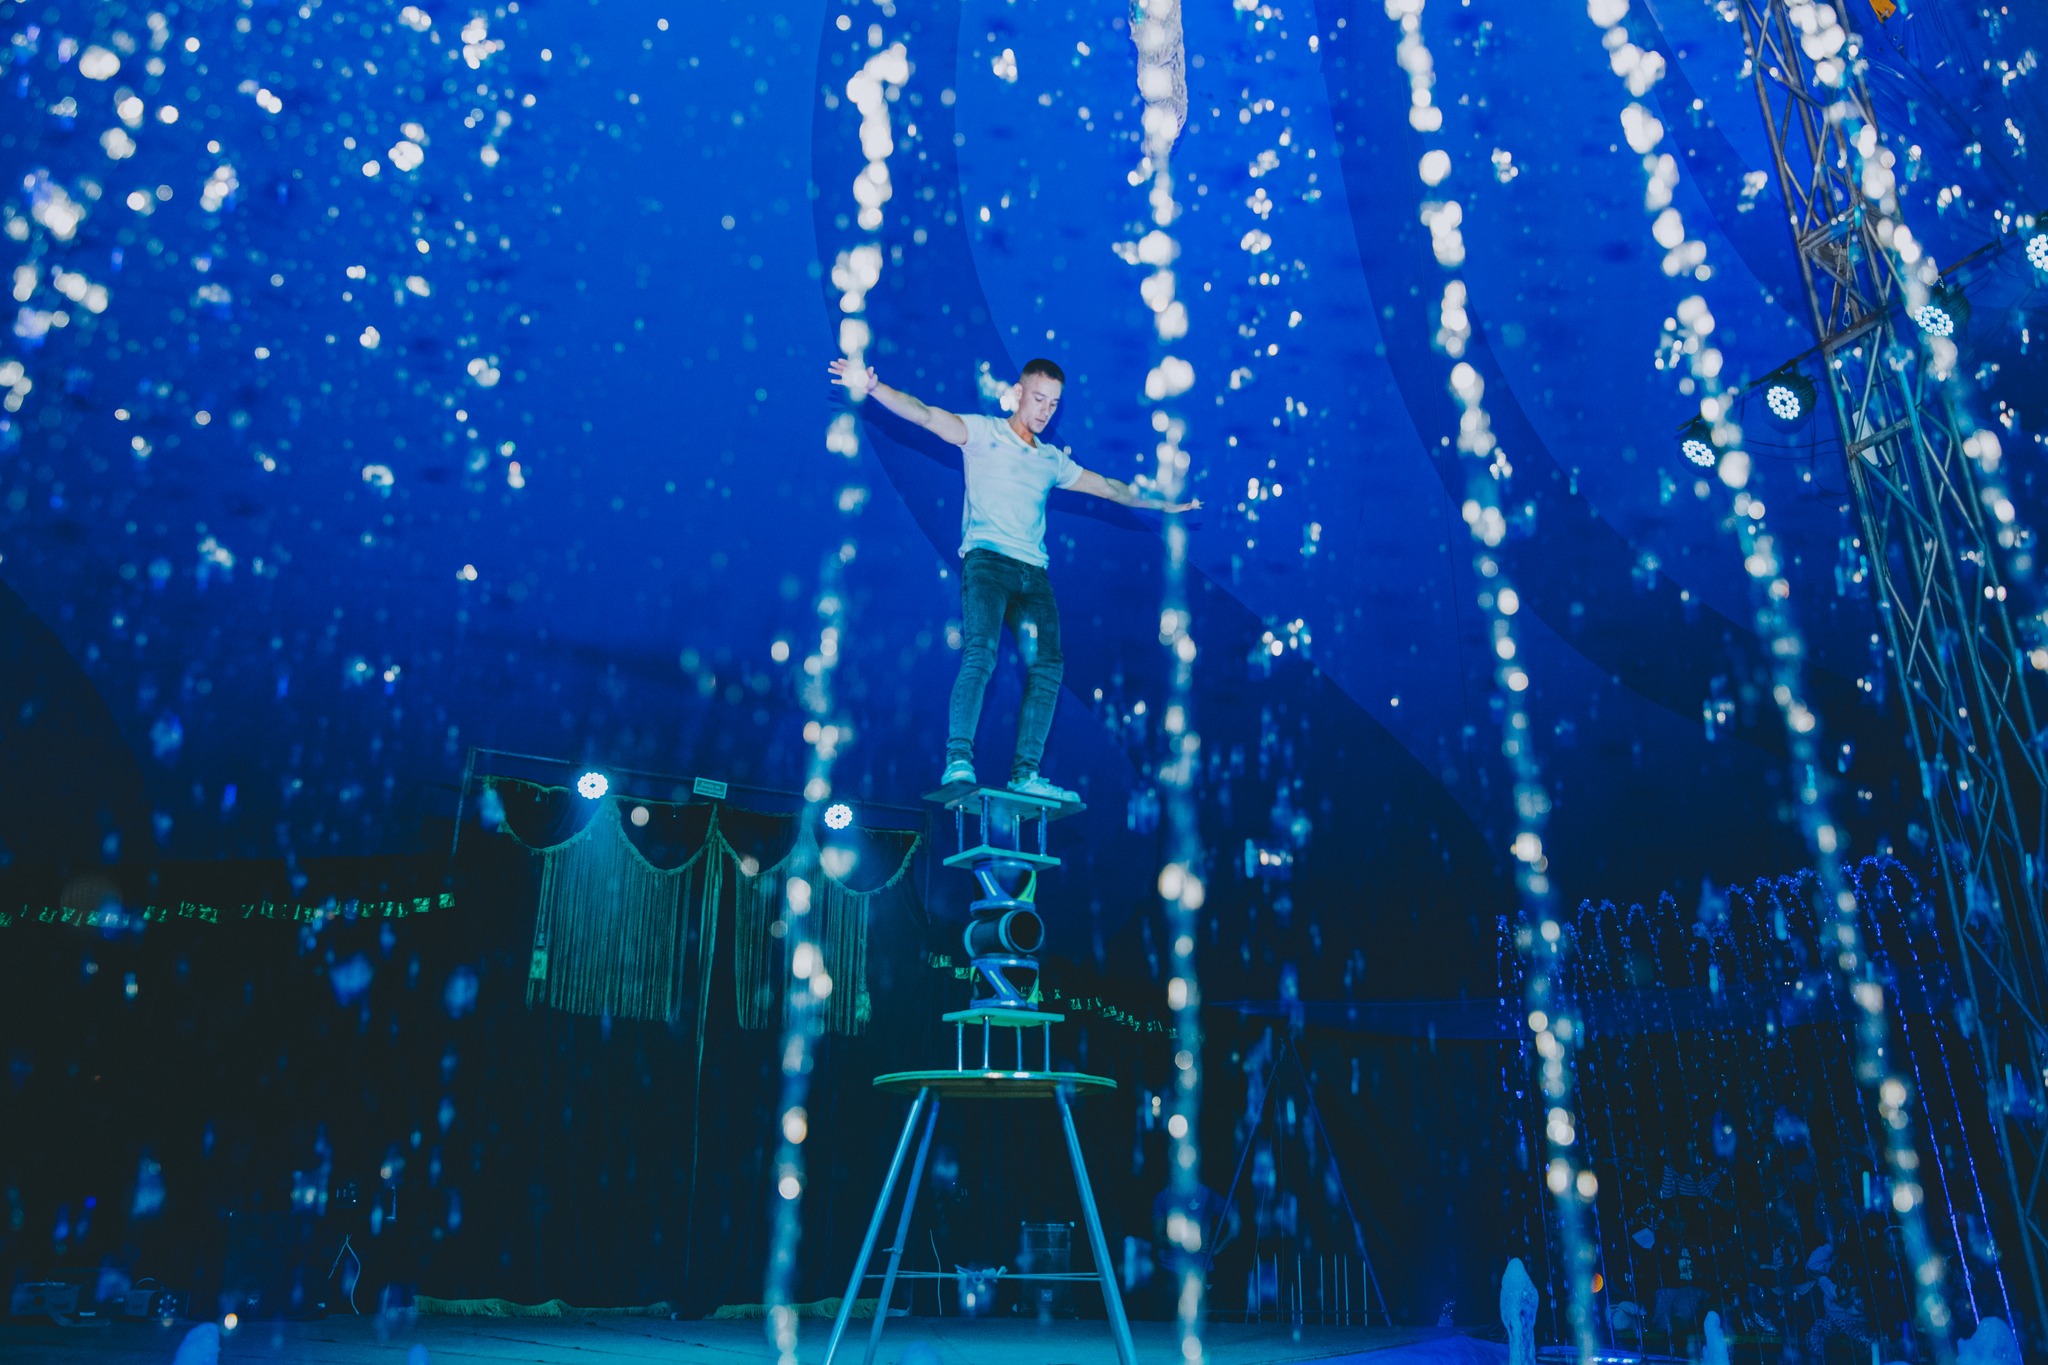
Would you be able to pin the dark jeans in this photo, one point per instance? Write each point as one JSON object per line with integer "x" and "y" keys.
{"x": 995, "y": 590}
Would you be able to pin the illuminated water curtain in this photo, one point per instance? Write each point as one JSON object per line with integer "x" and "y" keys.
{"x": 1539, "y": 935}
{"x": 1162, "y": 82}
{"x": 854, "y": 272}
{"x": 1687, "y": 343}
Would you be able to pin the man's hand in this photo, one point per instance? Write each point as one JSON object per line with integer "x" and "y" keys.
{"x": 859, "y": 380}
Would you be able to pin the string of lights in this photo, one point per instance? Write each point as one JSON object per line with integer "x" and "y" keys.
{"x": 1689, "y": 334}
{"x": 1162, "y": 83}
{"x": 854, "y": 273}
{"x": 1539, "y": 935}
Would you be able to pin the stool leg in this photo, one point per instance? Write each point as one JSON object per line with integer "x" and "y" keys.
{"x": 1119, "y": 1325}
{"x": 924, "y": 1145}
{"x": 867, "y": 1246}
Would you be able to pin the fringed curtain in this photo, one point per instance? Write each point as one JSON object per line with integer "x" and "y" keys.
{"x": 844, "y": 938}
{"x": 757, "y": 952}
{"x": 610, "y": 935}
{"x": 612, "y": 932}
{"x": 844, "y": 918}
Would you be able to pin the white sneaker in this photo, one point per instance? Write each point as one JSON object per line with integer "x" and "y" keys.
{"x": 1034, "y": 785}
{"x": 958, "y": 771}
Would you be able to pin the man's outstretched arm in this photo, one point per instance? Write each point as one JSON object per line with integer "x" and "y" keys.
{"x": 1117, "y": 491}
{"x": 860, "y": 381}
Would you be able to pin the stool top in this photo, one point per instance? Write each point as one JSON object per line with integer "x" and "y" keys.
{"x": 988, "y": 853}
{"x": 992, "y": 1085}
{"x": 1003, "y": 1016}
{"x": 1001, "y": 800}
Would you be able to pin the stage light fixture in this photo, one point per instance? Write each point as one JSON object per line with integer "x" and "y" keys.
{"x": 1696, "y": 442}
{"x": 1944, "y": 314}
{"x": 838, "y": 815}
{"x": 2037, "y": 251}
{"x": 590, "y": 786}
{"x": 1790, "y": 396}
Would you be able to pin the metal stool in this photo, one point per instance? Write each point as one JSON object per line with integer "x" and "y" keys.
{"x": 1006, "y": 1006}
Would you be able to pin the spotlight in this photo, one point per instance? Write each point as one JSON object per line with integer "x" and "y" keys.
{"x": 2037, "y": 251}
{"x": 590, "y": 786}
{"x": 838, "y": 815}
{"x": 1944, "y": 314}
{"x": 1696, "y": 442}
{"x": 1789, "y": 395}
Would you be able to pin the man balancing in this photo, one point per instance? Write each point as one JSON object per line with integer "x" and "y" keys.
{"x": 1010, "y": 473}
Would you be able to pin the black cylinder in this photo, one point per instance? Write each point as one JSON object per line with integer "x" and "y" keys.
{"x": 1013, "y": 931}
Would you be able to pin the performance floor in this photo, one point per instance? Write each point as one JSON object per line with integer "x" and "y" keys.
{"x": 603, "y": 1341}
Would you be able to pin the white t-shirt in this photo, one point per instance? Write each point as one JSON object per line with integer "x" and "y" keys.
{"x": 1007, "y": 485}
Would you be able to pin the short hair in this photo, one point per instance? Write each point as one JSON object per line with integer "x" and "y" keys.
{"x": 1045, "y": 367}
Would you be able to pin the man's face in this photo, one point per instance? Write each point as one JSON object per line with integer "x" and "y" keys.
{"x": 1038, "y": 398}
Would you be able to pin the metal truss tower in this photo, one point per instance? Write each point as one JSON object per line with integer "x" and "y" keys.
{"x": 1933, "y": 568}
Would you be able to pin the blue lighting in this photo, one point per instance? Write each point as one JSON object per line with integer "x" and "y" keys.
{"x": 1934, "y": 320}
{"x": 1696, "y": 443}
{"x": 306, "y": 324}
{"x": 1944, "y": 314}
{"x": 1790, "y": 396}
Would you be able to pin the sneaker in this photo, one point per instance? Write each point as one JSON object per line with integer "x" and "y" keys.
{"x": 1031, "y": 784}
{"x": 957, "y": 772}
